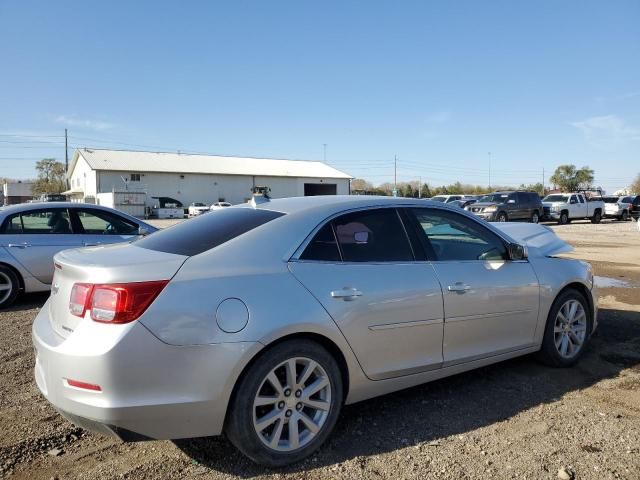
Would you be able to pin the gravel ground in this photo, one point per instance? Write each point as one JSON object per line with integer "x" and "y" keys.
{"x": 516, "y": 419}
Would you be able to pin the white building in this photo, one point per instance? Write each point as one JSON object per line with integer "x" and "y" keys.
{"x": 16, "y": 192}
{"x": 197, "y": 178}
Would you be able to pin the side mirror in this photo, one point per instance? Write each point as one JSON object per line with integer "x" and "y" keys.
{"x": 143, "y": 232}
{"x": 517, "y": 251}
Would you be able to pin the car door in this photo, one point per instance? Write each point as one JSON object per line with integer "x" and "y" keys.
{"x": 33, "y": 237}
{"x": 361, "y": 268}
{"x": 490, "y": 302}
{"x": 98, "y": 227}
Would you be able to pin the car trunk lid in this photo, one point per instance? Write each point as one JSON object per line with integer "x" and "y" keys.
{"x": 122, "y": 263}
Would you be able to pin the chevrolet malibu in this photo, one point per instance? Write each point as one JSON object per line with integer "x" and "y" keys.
{"x": 261, "y": 321}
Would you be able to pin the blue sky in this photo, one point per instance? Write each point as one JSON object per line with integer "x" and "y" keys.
{"x": 438, "y": 83}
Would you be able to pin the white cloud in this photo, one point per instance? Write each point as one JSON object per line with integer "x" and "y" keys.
{"x": 74, "y": 121}
{"x": 441, "y": 116}
{"x": 607, "y": 130}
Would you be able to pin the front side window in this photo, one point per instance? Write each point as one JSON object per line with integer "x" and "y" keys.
{"x": 581, "y": 198}
{"x": 98, "y": 222}
{"x": 372, "y": 236}
{"x": 448, "y": 236}
{"x": 48, "y": 221}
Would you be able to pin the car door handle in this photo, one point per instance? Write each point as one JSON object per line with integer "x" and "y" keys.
{"x": 19, "y": 245}
{"x": 458, "y": 288}
{"x": 346, "y": 294}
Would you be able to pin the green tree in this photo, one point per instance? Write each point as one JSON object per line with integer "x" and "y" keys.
{"x": 51, "y": 177}
{"x": 569, "y": 178}
{"x": 635, "y": 185}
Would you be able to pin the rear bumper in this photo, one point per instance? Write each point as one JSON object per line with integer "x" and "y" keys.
{"x": 150, "y": 390}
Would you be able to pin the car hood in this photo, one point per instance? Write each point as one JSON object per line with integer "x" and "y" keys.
{"x": 540, "y": 240}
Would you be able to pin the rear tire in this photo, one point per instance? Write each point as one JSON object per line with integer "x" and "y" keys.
{"x": 625, "y": 216}
{"x": 9, "y": 286}
{"x": 502, "y": 217}
{"x": 567, "y": 330}
{"x": 262, "y": 414}
{"x": 535, "y": 217}
{"x": 597, "y": 216}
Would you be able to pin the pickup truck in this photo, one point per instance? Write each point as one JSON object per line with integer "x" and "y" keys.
{"x": 564, "y": 207}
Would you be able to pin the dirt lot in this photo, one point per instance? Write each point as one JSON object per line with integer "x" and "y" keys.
{"x": 516, "y": 419}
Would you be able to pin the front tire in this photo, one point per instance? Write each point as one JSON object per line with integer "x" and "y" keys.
{"x": 286, "y": 404}
{"x": 9, "y": 286}
{"x": 625, "y": 216}
{"x": 502, "y": 217}
{"x": 567, "y": 330}
{"x": 564, "y": 218}
{"x": 597, "y": 216}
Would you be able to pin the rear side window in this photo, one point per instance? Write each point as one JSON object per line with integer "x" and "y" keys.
{"x": 49, "y": 221}
{"x": 323, "y": 247}
{"x": 203, "y": 233}
{"x": 372, "y": 236}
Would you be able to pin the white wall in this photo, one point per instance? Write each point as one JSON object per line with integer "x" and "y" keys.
{"x": 84, "y": 178}
{"x": 209, "y": 188}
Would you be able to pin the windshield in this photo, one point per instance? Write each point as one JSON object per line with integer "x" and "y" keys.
{"x": 495, "y": 198}
{"x": 439, "y": 198}
{"x": 556, "y": 198}
{"x": 610, "y": 199}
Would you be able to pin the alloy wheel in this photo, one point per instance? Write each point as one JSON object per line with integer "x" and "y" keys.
{"x": 292, "y": 404}
{"x": 570, "y": 328}
{"x": 6, "y": 286}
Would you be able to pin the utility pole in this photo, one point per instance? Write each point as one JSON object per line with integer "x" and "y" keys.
{"x": 395, "y": 171}
{"x": 489, "y": 170}
{"x": 66, "y": 153}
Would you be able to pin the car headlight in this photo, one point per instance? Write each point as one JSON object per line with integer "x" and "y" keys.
{"x": 555, "y": 208}
{"x": 490, "y": 209}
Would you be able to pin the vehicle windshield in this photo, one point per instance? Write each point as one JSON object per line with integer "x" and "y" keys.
{"x": 556, "y": 198}
{"x": 495, "y": 198}
{"x": 196, "y": 204}
{"x": 439, "y": 198}
{"x": 610, "y": 199}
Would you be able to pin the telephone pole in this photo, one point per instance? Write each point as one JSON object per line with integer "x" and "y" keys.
{"x": 66, "y": 153}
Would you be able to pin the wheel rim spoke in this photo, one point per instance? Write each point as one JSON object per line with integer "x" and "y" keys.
{"x": 275, "y": 383}
{"x": 262, "y": 401}
{"x": 294, "y": 434}
{"x": 267, "y": 420}
{"x": 291, "y": 373}
{"x": 306, "y": 373}
{"x": 564, "y": 345}
{"x": 309, "y": 423}
{"x": 317, "y": 404}
{"x": 4, "y": 287}
{"x": 570, "y": 328}
{"x": 315, "y": 387}
{"x": 277, "y": 434}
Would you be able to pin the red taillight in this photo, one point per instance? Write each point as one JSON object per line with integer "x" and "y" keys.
{"x": 80, "y": 295}
{"x": 83, "y": 385}
{"x": 117, "y": 302}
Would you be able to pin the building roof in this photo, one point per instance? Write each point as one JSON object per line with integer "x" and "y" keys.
{"x": 134, "y": 161}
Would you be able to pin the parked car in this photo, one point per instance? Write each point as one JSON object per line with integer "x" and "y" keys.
{"x": 219, "y": 205}
{"x": 446, "y": 198}
{"x": 375, "y": 294}
{"x": 564, "y": 207}
{"x": 32, "y": 233}
{"x": 506, "y": 206}
{"x": 634, "y": 209}
{"x": 618, "y": 206}
{"x": 465, "y": 202}
{"x": 197, "y": 208}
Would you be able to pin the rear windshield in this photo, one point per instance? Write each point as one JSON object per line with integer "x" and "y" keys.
{"x": 610, "y": 199}
{"x": 205, "y": 232}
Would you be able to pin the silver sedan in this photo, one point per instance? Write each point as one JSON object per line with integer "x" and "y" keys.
{"x": 32, "y": 233}
{"x": 263, "y": 321}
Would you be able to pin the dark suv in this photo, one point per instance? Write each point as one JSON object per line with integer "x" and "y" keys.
{"x": 505, "y": 206}
{"x": 634, "y": 208}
